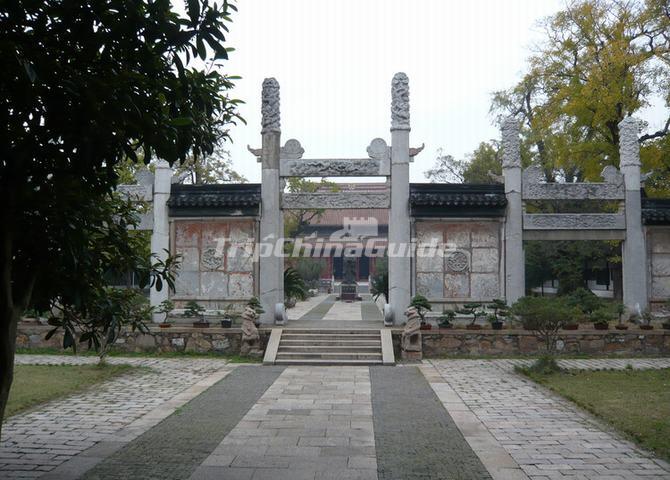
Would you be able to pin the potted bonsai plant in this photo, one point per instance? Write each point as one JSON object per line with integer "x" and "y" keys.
{"x": 194, "y": 310}
{"x": 446, "y": 318}
{"x": 226, "y": 320}
{"x": 500, "y": 312}
{"x": 645, "y": 319}
{"x": 165, "y": 307}
{"x": 601, "y": 318}
{"x": 620, "y": 309}
{"x": 422, "y": 306}
{"x": 474, "y": 309}
{"x": 255, "y": 303}
{"x": 666, "y": 324}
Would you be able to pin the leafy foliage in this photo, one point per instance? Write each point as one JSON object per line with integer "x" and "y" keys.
{"x": 255, "y": 303}
{"x": 481, "y": 166}
{"x": 193, "y": 309}
{"x": 294, "y": 286}
{"x": 422, "y": 306}
{"x": 545, "y": 316}
{"x": 474, "y": 309}
{"x": 296, "y": 220}
{"x": 309, "y": 270}
{"x": 600, "y": 61}
{"x": 85, "y": 86}
{"x": 207, "y": 169}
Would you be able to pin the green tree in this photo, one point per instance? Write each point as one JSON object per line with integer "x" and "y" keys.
{"x": 208, "y": 169}
{"x": 483, "y": 165}
{"x": 85, "y": 85}
{"x": 600, "y": 61}
{"x": 296, "y": 220}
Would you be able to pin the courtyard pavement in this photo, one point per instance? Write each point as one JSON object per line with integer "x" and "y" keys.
{"x": 206, "y": 419}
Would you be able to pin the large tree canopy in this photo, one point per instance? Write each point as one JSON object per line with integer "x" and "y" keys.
{"x": 83, "y": 86}
{"x": 600, "y": 61}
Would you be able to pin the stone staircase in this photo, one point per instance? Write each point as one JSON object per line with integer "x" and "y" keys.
{"x": 328, "y": 346}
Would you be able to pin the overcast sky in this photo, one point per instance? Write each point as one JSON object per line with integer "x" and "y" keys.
{"x": 334, "y": 61}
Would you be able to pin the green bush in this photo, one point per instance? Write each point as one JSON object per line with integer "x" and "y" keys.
{"x": 585, "y": 300}
{"x": 422, "y": 305}
{"x": 310, "y": 270}
{"x": 545, "y": 316}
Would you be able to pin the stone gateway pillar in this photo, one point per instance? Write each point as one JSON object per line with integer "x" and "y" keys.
{"x": 271, "y": 261}
{"x": 160, "y": 234}
{"x": 399, "y": 220}
{"x": 633, "y": 249}
{"x": 515, "y": 287}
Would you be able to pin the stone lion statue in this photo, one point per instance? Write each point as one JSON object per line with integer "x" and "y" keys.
{"x": 250, "y": 336}
{"x": 410, "y": 342}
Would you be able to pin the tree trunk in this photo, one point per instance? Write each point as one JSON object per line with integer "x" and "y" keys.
{"x": 8, "y": 323}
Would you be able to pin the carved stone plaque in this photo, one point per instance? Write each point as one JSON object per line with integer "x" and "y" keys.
{"x": 457, "y": 261}
{"x": 211, "y": 260}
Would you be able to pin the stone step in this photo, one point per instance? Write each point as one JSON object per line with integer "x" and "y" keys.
{"x": 327, "y": 362}
{"x": 333, "y": 343}
{"x": 332, "y": 331}
{"x": 303, "y": 355}
{"x": 329, "y": 348}
{"x": 324, "y": 336}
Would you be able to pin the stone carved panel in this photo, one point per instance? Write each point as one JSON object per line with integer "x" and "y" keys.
{"x": 344, "y": 167}
{"x": 576, "y": 221}
{"x": 457, "y": 261}
{"x": 211, "y": 259}
{"x": 140, "y": 193}
{"x": 335, "y": 200}
{"x": 511, "y": 143}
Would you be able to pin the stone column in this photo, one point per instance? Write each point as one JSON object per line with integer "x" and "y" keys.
{"x": 633, "y": 249}
{"x": 399, "y": 221}
{"x": 514, "y": 259}
{"x": 160, "y": 235}
{"x": 271, "y": 263}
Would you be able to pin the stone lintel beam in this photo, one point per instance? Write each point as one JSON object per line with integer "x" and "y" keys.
{"x": 574, "y": 221}
{"x": 335, "y": 200}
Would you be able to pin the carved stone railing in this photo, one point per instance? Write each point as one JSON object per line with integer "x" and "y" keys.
{"x": 291, "y": 163}
{"x": 612, "y": 188}
{"x": 336, "y": 200}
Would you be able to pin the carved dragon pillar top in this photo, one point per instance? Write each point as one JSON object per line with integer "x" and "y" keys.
{"x": 400, "y": 102}
{"x": 270, "y": 121}
{"x": 629, "y": 147}
{"x": 511, "y": 144}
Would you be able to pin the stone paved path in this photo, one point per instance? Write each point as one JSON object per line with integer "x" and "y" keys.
{"x": 415, "y": 437}
{"x": 38, "y": 441}
{"x": 312, "y": 423}
{"x": 176, "y": 447}
{"x": 320, "y": 423}
{"x": 546, "y": 435}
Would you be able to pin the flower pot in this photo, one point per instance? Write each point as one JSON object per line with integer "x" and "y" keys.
{"x": 601, "y": 326}
{"x": 201, "y": 324}
{"x": 666, "y": 326}
{"x": 473, "y": 327}
{"x": 621, "y": 327}
{"x": 226, "y": 323}
{"x": 498, "y": 325}
{"x": 425, "y": 326}
{"x": 571, "y": 326}
{"x": 446, "y": 326}
{"x": 646, "y": 327}
{"x": 164, "y": 325}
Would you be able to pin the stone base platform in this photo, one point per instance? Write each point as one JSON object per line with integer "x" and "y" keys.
{"x": 436, "y": 343}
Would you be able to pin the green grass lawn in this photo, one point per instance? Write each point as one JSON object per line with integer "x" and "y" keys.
{"x": 36, "y": 384}
{"x": 635, "y": 402}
